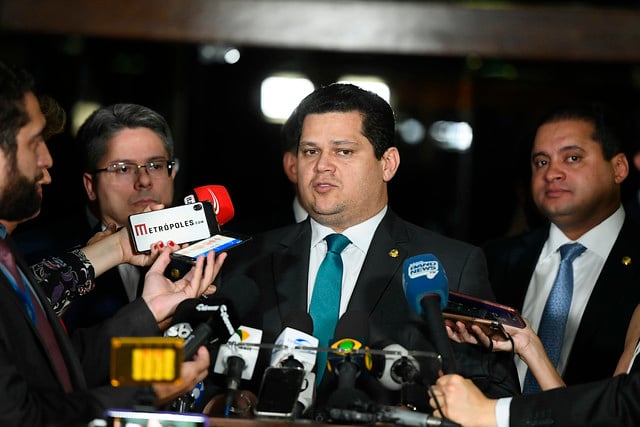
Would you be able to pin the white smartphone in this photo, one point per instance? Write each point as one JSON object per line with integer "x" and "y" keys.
{"x": 181, "y": 224}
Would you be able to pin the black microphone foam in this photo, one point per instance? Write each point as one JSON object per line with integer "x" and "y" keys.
{"x": 214, "y": 318}
{"x": 299, "y": 320}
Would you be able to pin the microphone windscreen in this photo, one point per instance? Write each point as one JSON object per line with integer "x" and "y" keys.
{"x": 299, "y": 320}
{"x": 219, "y": 198}
{"x": 424, "y": 275}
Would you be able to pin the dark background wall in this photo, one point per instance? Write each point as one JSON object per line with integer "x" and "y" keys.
{"x": 222, "y": 138}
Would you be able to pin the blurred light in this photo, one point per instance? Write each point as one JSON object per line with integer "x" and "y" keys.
{"x": 213, "y": 53}
{"x": 279, "y": 95}
{"x": 411, "y": 131}
{"x": 454, "y": 136}
{"x": 374, "y": 84}
{"x": 79, "y": 113}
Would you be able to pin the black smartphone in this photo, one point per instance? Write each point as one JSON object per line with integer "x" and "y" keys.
{"x": 279, "y": 392}
{"x": 180, "y": 224}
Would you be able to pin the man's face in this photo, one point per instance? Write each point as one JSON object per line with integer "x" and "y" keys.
{"x": 21, "y": 185}
{"x": 340, "y": 181}
{"x": 573, "y": 185}
{"x": 118, "y": 196}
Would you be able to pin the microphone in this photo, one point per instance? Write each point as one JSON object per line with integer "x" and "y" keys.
{"x": 399, "y": 368}
{"x": 405, "y": 417}
{"x": 213, "y": 317}
{"x": 219, "y": 198}
{"x": 287, "y": 354}
{"x": 348, "y": 358}
{"x": 237, "y": 360}
{"x": 426, "y": 288}
{"x": 297, "y": 333}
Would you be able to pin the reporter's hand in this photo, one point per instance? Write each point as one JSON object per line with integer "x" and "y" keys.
{"x": 163, "y": 295}
{"x": 461, "y": 401}
{"x": 191, "y": 373}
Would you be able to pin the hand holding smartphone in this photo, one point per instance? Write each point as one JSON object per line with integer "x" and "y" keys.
{"x": 489, "y": 315}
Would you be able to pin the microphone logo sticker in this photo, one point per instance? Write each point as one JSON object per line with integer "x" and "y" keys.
{"x": 430, "y": 269}
{"x": 214, "y": 201}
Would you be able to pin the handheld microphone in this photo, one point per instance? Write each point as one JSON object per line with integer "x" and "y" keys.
{"x": 348, "y": 359}
{"x": 288, "y": 354}
{"x": 399, "y": 367}
{"x": 238, "y": 361}
{"x": 426, "y": 288}
{"x": 218, "y": 196}
{"x": 213, "y": 318}
{"x": 297, "y": 333}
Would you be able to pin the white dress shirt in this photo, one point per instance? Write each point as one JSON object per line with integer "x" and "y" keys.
{"x": 352, "y": 256}
{"x": 586, "y": 269}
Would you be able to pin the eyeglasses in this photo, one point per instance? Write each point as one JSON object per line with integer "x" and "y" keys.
{"x": 154, "y": 168}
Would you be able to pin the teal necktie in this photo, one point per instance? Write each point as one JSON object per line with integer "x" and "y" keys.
{"x": 325, "y": 300}
{"x": 556, "y": 311}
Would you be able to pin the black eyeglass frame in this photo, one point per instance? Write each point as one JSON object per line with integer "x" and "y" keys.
{"x": 170, "y": 165}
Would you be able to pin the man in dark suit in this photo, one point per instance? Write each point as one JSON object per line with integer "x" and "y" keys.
{"x": 128, "y": 165}
{"x": 578, "y": 166}
{"x": 345, "y": 158}
{"x": 46, "y": 378}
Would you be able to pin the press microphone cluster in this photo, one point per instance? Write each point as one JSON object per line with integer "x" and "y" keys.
{"x": 427, "y": 291}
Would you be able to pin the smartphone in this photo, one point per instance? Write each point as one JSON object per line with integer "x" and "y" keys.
{"x": 126, "y": 417}
{"x": 487, "y": 314}
{"x": 181, "y": 224}
{"x": 220, "y": 242}
{"x": 279, "y": 392}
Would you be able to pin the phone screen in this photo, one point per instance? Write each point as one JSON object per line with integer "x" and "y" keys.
{"x": 129, "y": 418}
{"x": 279, "y": 391}
{"x": 218, "y": 243}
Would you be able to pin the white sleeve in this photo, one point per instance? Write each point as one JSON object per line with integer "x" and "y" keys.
{"x": 502, "y": 411}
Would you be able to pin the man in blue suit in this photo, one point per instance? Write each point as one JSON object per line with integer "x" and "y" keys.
{"x": 578, "y": 166}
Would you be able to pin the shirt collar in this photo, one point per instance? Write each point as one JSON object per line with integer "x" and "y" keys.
{"x": 599, "y": 239}
{"x": 359, "y": 234}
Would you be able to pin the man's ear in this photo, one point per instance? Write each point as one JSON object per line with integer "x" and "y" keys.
{"x": 620, "y": 167}
{"x": 290, "y": 165}
{"x": 88, "y": 181}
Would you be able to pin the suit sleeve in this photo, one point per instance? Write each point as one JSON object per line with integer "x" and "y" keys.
{"x": 609, "y": 402}
{"x": 93, "y": 345}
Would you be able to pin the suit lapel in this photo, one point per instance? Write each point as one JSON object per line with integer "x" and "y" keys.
{"x": 291, "y": 272}
{"x": 620, "y": 267}
{"x": 383, "y": 261}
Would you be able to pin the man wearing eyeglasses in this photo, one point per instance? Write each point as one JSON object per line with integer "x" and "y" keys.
{"x": 128, "y": 165}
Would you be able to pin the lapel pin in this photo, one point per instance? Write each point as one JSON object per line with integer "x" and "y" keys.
{"x": 626, "y": 260}
{"x": 393, "y": 253}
